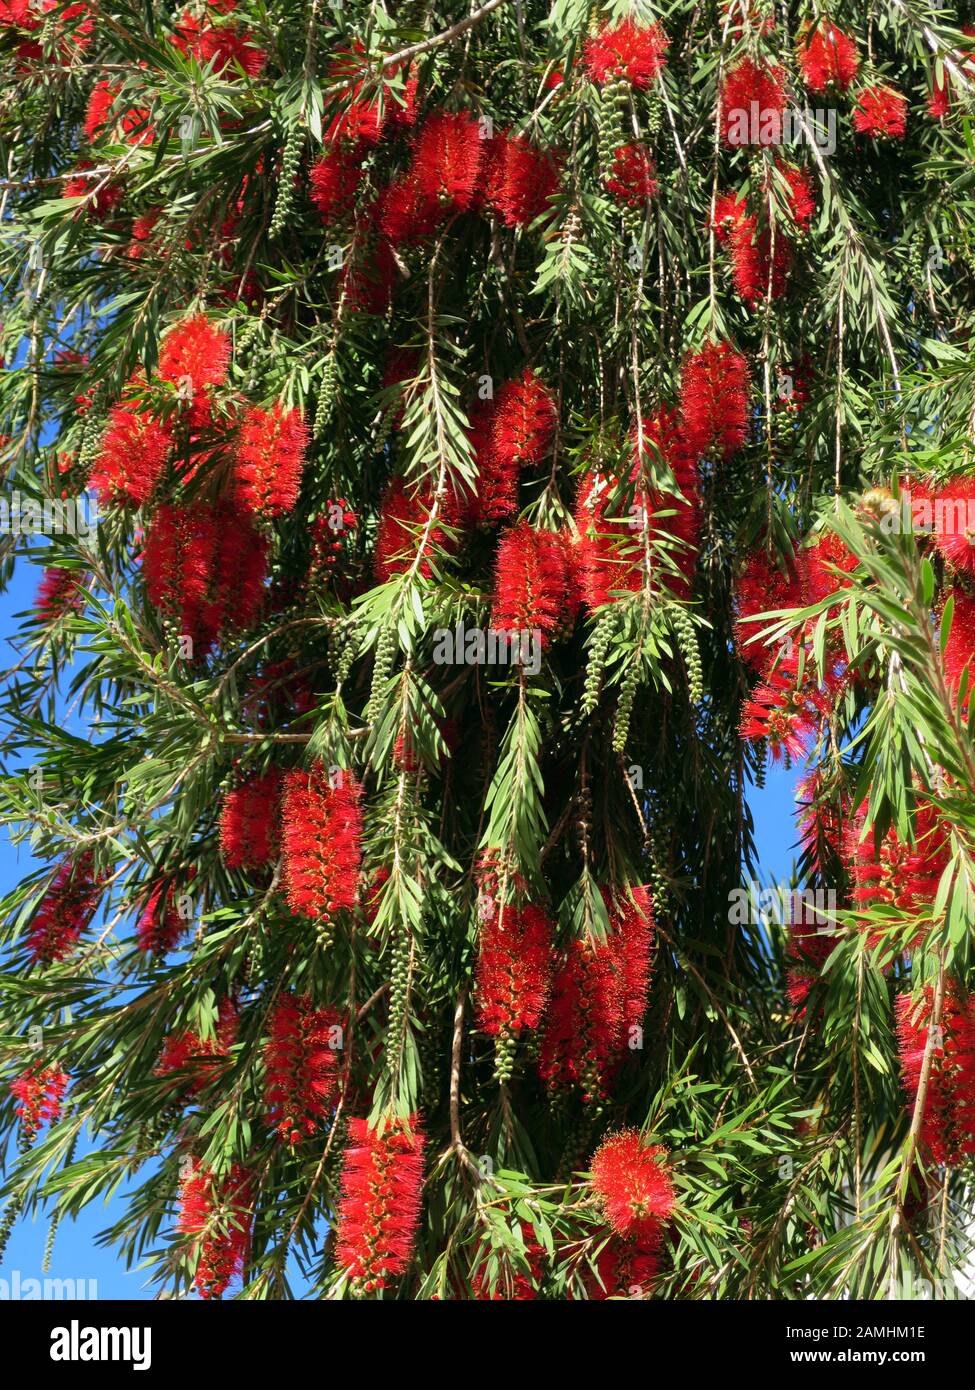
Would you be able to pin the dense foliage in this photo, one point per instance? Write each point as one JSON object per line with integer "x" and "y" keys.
{"x": 361, "y": 944}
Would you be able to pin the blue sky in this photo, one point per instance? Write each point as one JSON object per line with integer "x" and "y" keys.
{"x": 76, "y": 1255}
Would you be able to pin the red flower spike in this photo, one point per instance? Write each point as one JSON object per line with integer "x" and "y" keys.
{"x": 948, "y": 1121}
{"x": 219, "y": 1213}
{"x": 224, "y": 48}
{"x": 270, "y": 459}
{"x": 194, "y": 355}
{"x": 205, "y": 569}
{"x": 160, "y": 925}
{"x": 133, "y": 454}
{"x": 518, "y": 179}
{"x": 404, "y": 525}
{"x": 953, "y": 522}
{"x": 250, "y": 822}
{"x": 752, "y": 104}
{"x": 623, "y": 1268}
{"x": 508, "y": 434}
{"x": 599, "y": 994}
{"x": 332, "y": 182}
{"x": 633, "y": 1186}
{"x": 301, "y": 1061}
{"x": 532, "y": 582}
{"x": 64, "y": 913}
{"x": 758, "y": 271}
{"x": 633, "y": 178}
{"x": 905, "y": 876}
{"x": 764, "y": 587}
{"x": 828, "y": 57}
{"x": 514, "y": 970}
{"x": 379, "y": 1211}
{"x": 61, "y": 591}
{"x": 40, "y": 1091}
{"x": 612, "y": 547}
{"x": 322, "y": 835}
{"x": 715, "y": 385}
{"x": 633, "y": 52}
{"x": 881, "y": 112}
{"x": 447, "y": 159}
{"x": 807, "y": 951}
{"x": 959, "y": 651}
{"x": 130, "y": 125}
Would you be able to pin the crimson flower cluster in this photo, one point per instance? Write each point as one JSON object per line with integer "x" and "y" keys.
{"x": 321, "y": 839}
{"x": 216, "y": 1213}
{"x": 948, "y": 1116}
{"x": 301, "y": 1061}
{"x": 39, "y": 1092}
{"x": 379, "y": 1211}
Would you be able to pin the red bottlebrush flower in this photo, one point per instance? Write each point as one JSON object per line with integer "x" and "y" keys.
{"x": 948, "y": 1120}
{"x": 160, "y": 924}
{"x": 940, "y": 100}
{"x": 636, "y": 53}
{"x": 404, "y": 214}
{"x": 827, "y": 57}
{"x": 362, "y": 123}
{"x": 514, "y": 970}
{"x": 507, "y": 434}
{"x": 612, "y": 547}
{"x": 752, "y": 104}
{"x": 784, "y": 712}
{"x": 532, "y": 584}
{"x": 224, "y": 48}
{"x": 194, "y": 355}
{"x": 447, "y": 159}
{"x": 631, "y": 920}
{"x": 218, "y": 1212}
{"x": 802, "y": 196}
{"x": 714, "y": 400}
{"x": 518, "y": 178}
{"x": 404, "y": 524}
{"x": 764, "y": 586}
{"x": 959, "y": 651}
{"x": 366, "y": 283}
{"x": 250, "y": 822}
{"x": 333, "y": 180}
{"x": 142, "y": 229}
{"x": 65, "y": 911}
{"x": 821, "y": 820}
{"x": 102, "y": 122}
{"x": 632, "y": 180}
{"x": 903, "y": 875}
{"x": 623, "y": 1266}
{"x": 382, "y": 1180}
{"x": 582, "y": 1032}
{"x": 322, "y": 835}
{"x": 825, "y": 567}
{"x": 599, "y": 994}
{"x": 101, "y": 197}
{"x": 301, "y": 1060}
{"x": 269, "y": 459}
{"x": 133, "y": 454}
{"x": 953, "y": 522}
{"x": 881, "y": 112}
{"x": 329, "y": 534}
{"x": 758, "y": 271}
{"x": 60, "y": 591}
{"x": 203, "y": 1059}
{"x": 729, "y": 209}
{"x": 633, "y": 1186}
{"x": 512, "y": 1283}
{"x": 205, "y": 568}
{"x": 808, "y": 950}
{"x": 40, "y": 1091}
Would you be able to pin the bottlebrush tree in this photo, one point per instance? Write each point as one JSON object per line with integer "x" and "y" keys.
{"x": 505, "y": 440}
